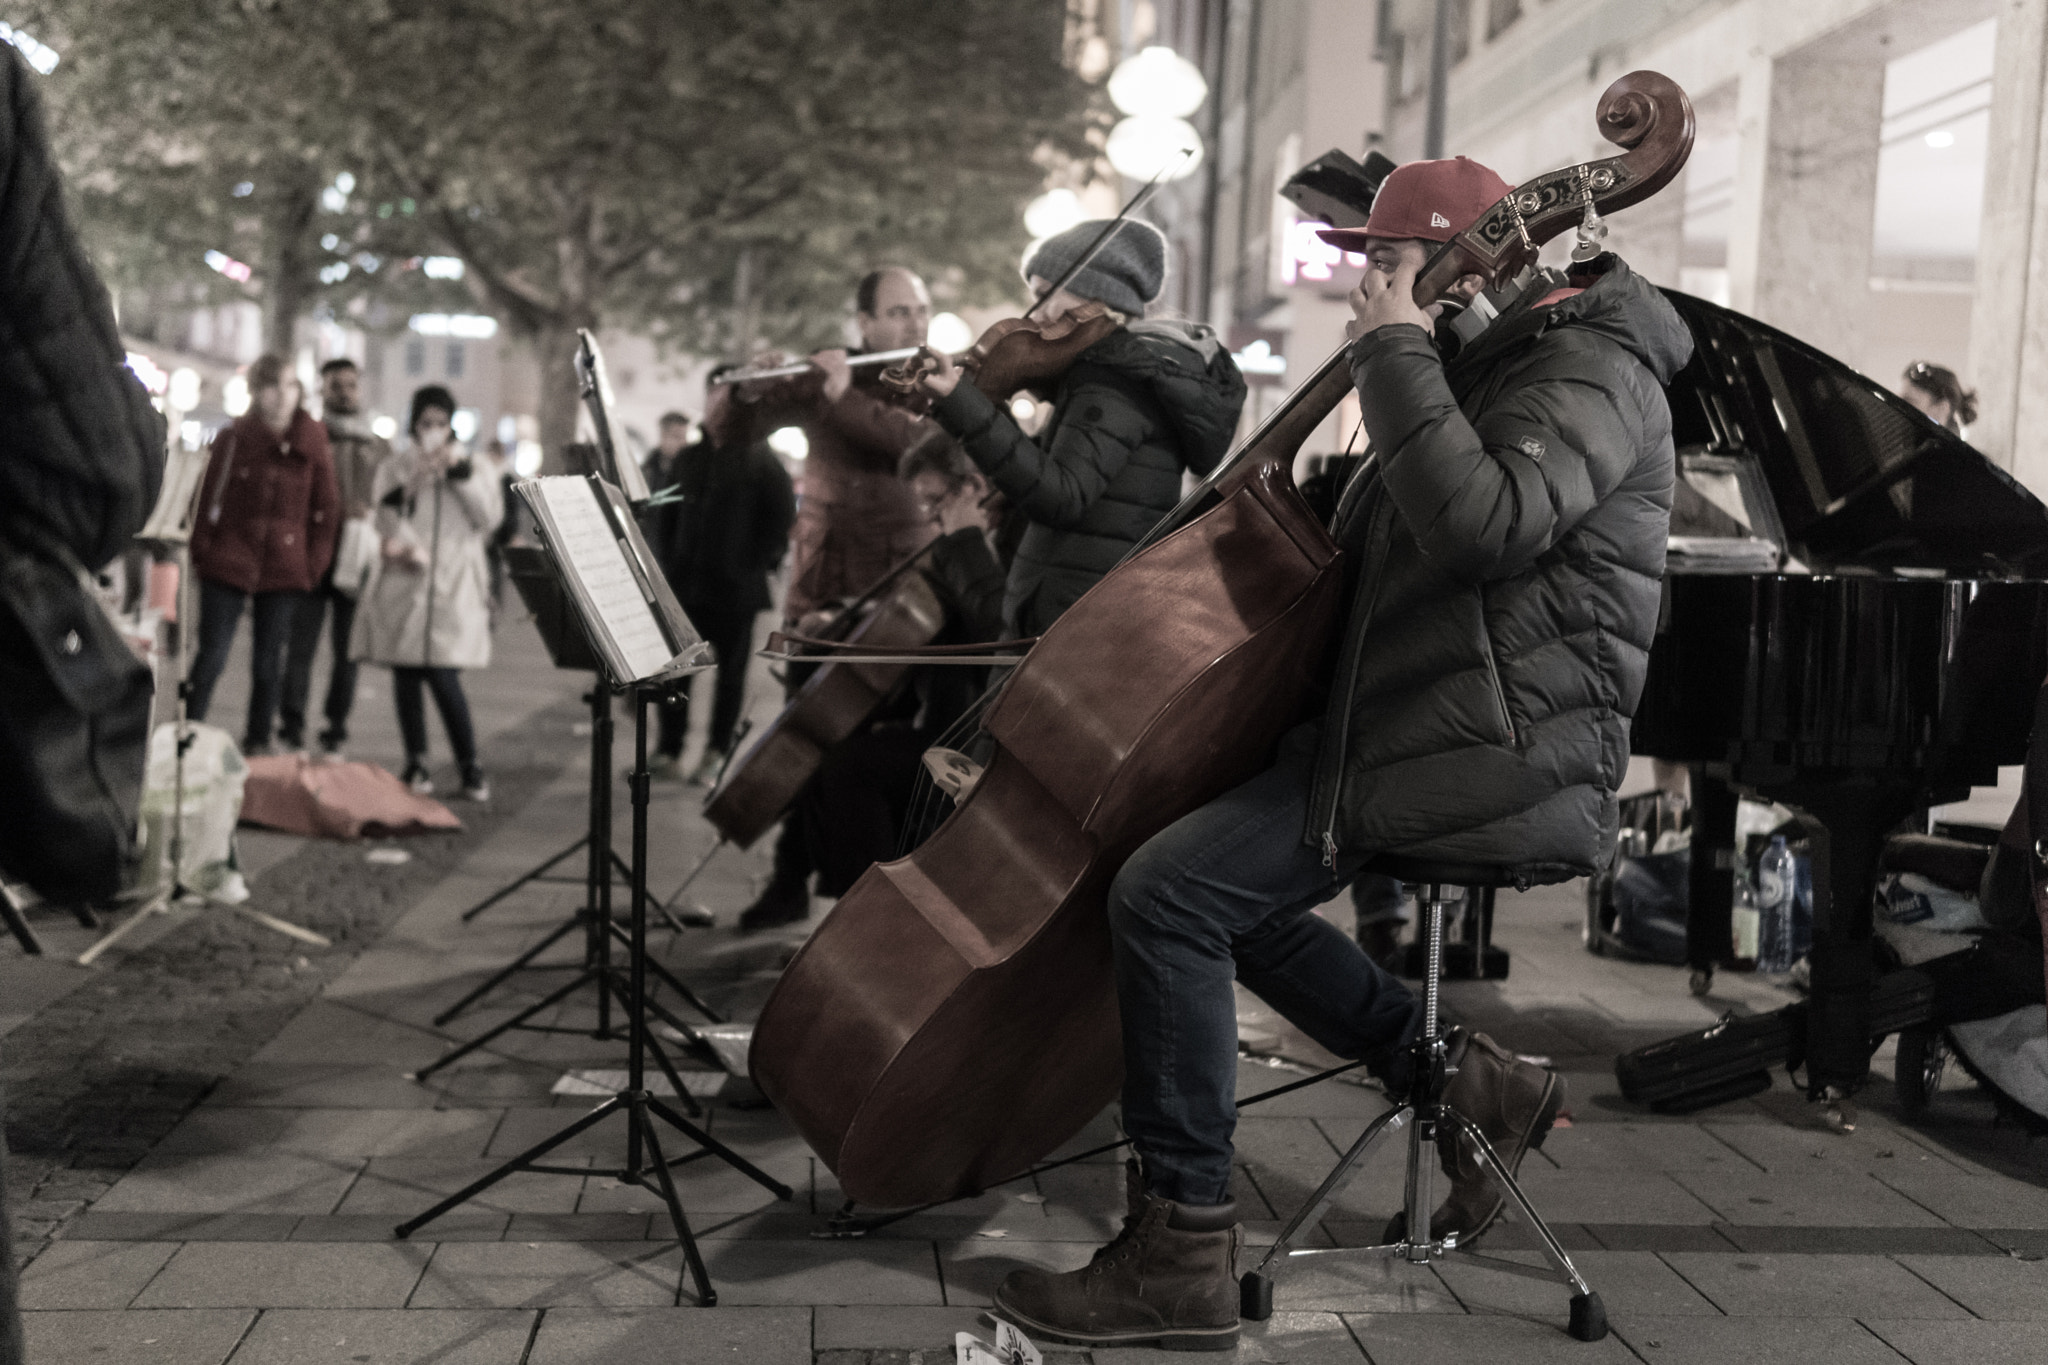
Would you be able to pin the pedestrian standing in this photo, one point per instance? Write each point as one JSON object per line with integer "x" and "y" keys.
{"x": 269, "y": 512}
{"x": 356, "y": 451}
{"x": 727, "y": 530}
{"x": 426, "y": 612}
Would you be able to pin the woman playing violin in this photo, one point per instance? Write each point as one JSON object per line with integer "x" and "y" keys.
{"x": 1149, "y": 400}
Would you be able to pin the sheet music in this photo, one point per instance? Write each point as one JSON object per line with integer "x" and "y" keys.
{"x": 584, "y": 538}
{"x": 171, "y": 519}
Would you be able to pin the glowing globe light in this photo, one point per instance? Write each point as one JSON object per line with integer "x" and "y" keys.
{"x": 184, "y": 393}
{"x": 950, "y": 333}
{"x": 1052, "y": 213}
{"x": 789, "y": 442}
{"x": 234, "y": 396}
{"x": 1144, "y": 145}
{"x": 1941, "y": 137}
{"x": 1157, "y": 83}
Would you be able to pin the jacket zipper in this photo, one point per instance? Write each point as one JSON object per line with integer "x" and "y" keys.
{"x": 1330, "y": 774}
{"x": 1500, "y": 695}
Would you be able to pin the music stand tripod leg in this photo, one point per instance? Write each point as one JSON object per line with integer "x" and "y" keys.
{"x": 18, "y": 926}
{"x": 530, "y": 875}
{"x": 513, "y": 1167}
{"x": 554, "y": 997}
{"x": 506, "y": 972}
{"x": 596, "y": 909}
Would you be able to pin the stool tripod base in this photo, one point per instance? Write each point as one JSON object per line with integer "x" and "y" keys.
{"x": 1423, "y": 1113}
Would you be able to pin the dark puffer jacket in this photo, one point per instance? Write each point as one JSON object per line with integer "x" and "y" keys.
{"x": 1508, "y": 544}
{"x": 81, "y": 450}
{"x": 1133, "y": 411}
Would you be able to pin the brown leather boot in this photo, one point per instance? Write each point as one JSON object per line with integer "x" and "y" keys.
{"x": 1169, "y": 1279}
{"x": 1514, "y": 1103}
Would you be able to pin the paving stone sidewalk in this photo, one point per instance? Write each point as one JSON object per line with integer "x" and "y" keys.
{"x": 255, "y": 1224}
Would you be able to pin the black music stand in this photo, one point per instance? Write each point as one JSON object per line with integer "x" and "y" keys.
{"x": 646, "y": 1165}
{"x": 600, "y": 557}
{"x": 532, "y": 572}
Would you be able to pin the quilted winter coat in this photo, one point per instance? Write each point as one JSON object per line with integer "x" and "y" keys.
{"x": 1508, "y": 547}
{"x": 1134, "y": 410}
{"x": 269, "y": 507}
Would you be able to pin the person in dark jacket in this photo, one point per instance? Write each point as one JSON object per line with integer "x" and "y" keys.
{"x": 717, "y": 543}
{"x": 81, "y": 450}
{"x": 269, "y": 512}
{"x": 1136, "y": 410}
{"x": 852, "y": 812}
{"x": 855, "y": 522}
{"x": 356, "y": 451}
{"x": 1506, "y": 543}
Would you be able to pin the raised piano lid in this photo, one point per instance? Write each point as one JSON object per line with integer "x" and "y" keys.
{"x": 1860, "y": 478}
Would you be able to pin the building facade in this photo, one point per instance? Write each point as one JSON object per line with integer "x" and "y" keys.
{"x": 1866, "y": 174}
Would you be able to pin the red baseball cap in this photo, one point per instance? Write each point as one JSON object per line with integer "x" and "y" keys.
{"x": 1433, "y": 200}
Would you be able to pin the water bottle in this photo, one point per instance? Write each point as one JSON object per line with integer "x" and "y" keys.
{"x": 1742, "y": 921}
{"x": 1774, "y": 892}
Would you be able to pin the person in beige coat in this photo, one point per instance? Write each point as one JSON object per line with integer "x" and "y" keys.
{"x": 426, "y": 611}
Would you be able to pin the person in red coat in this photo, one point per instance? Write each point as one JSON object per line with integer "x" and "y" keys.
{"x": 269, "y": 512}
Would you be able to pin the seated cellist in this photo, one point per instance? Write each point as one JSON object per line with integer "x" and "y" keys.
{"x": 852, "y": 811}
{"x": 1506, "y": 547}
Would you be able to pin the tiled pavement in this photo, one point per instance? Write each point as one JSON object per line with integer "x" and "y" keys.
{"x": 260, "y": 1229}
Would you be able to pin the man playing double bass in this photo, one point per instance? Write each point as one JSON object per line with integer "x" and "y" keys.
{"x": 1505, "y": 549}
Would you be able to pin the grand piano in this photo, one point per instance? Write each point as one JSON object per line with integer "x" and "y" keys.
{"x": 1854, "y": 624}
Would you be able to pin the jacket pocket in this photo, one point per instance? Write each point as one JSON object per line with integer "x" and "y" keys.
{"x": 1500, "y": 695}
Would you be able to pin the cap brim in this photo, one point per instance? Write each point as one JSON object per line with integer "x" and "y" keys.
{"x": 1344, "y": 239}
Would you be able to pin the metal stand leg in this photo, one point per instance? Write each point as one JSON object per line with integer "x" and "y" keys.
{"x": 1408, "y": 1237}
{"x": 646, "y": 1165}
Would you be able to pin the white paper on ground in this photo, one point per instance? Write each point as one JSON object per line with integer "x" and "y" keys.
{"x": 1011, "y": 1347}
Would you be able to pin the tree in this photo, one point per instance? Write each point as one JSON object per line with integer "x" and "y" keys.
{"x": 592, "y": 162}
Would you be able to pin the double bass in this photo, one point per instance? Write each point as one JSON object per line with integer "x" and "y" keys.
{"x": 954, "y": 1018}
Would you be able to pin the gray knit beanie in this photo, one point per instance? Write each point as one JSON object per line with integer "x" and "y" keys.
{"x": 1126, "y": 274}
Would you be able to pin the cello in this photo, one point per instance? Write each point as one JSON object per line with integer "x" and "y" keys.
{"x": 954, "y": 1017}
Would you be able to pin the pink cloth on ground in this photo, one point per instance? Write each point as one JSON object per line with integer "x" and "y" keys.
{"x": 336, "y": 800}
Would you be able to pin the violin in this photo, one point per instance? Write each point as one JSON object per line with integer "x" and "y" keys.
{"x": 954, "y": 1018}
{"x": 1016, "y": 353}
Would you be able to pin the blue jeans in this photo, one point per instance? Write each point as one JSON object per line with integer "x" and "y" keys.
{"x": 1230, "y": 891}
{"x": 446, "y": 685}
{"x": 298, "y": 667}
{"x": 220, "y": 611}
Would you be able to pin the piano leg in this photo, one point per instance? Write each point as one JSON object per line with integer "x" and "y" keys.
{"x": 1847, "y": 822}
{"x": 1710, "y": 885}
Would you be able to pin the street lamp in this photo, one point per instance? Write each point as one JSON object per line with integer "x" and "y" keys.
{"x": 1052, "y": 213}
{"x": 1157, "y": 88}
{"x": 1157, "y": 82}
{"x": 1142, "y": 146}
